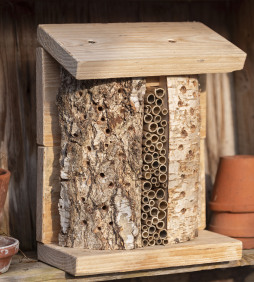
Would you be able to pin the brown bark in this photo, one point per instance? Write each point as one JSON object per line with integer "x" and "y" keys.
{"x": 101, "y": 161}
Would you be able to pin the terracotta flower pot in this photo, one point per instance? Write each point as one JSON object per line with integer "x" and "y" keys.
{"x": 234, "y": 185}
{"x": 4, "y": 182}
{"x": 248, "y": 243}
{"x": 8, "y": 247}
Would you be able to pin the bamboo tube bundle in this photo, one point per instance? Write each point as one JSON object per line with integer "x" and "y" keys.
{"x": 154, "y": 193}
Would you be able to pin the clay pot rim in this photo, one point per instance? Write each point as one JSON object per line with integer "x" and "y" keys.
{"x": 4, "y": 172}
{"x": 13, "y": 242}
{"x": 238, "y": 157}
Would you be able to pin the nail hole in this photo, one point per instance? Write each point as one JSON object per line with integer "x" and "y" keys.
{"x": 171, "y": 41}
{"x": 102, "y": 174}
{"x": 91, "y": 42}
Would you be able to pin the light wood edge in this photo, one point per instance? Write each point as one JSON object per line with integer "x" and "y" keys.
{"x": 209, "y": 248}
{"x": 47, "y": 85}
{"x": 202, "y": 194}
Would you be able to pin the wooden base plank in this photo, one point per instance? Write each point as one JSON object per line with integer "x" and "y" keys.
{"x": 209, "y": 247}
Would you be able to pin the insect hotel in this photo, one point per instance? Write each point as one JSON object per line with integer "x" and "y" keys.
{"x": 120, "y": 127}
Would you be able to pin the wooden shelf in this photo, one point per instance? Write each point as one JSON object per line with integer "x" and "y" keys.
{"x": 209, "y": 247}
{"x": 23, "y": 269}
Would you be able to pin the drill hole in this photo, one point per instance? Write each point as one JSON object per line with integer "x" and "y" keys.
{"x": 102, "y": 174}
{"x": 107, "y": 130}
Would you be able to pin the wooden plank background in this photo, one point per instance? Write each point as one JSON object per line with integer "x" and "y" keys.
{"x": 230, "y": 127}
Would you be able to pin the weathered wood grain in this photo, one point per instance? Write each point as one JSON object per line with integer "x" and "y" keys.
{"x": 78, "y": 261}
{"x": 131, "y": 49}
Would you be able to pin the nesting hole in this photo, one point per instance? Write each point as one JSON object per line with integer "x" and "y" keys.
{"x": 84, "y": 222}
{"x": 102, "y": 174}
{"x": 111, "y": 223}
{"x": 104, "y": 207}
{"x": 89, "y": 148}
{"x": 111, "y": 184}
{"x": 100, "y": 109}
{"x": 103, "y": 119}
{"x": 99, "y": 228}
{"x": 108, "y": 131}
{"x": 163, "y": 234}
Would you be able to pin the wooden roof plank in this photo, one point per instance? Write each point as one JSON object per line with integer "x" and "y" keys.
{"x": 90, "y": 51}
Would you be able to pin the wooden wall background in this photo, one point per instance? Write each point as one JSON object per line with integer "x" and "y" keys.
{"x": 230, "y": 127}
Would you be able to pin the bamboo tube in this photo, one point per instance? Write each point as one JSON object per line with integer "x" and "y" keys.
{"x": 160, "y": 131}
{"x": 144, "y": 193}
{"x": 157, "y": 184}
{"x": 144, "y": 242}
{"x": 149, "y": 222}
{"x": 155, "y": 110}
{"x": 154, "y": 138}
{"x": 148, "y": 158}
{"x": 147, "y": 109}
{"x": 162, "y": 159}
{"x": 163, "y": 233}
{"x": 149, "y": 98}
{"x": 155, "y": 164}
{"x": 147, "y": 134}
{"x": 159, "y": 146}
{"x": 145, "y": 234}
{"x": 146, "y": 174}
{"x": 163, "y": 169}
{"x": 160, "y": 194}
{"x": 164, "y": 185}
{"x": 145, "y": 200}
{"x": 162, "y": 205}
{"x": 162, "y": 178}
{"x": 156, "y": 173}
{"x": 163, "y": 152}
{"x": 164, "y": 111}
{"x": 156, "y": 235}
{"x": 165, "y": 242}
{"x": 157, "y": 118}
{"x": 155, "y": 155}
{"x": 144, "y": 217}
{"x": 155, "y": 220}
{"x": 161, "y": 215}
{"x": 146, "y": 185}
{"x": 154, "y": 211}
{"x": 148, "y": 118}
{"x": 150, "y": 238}
{"x": 144, "y": 227}
{"x": 159, "y": 102}
{"x": 154, "y": 180}
{"x": 145, "y": 167}
{"x": 151, "y": 203}
{"x": 151, "y": 229}
{"x": 164, "y": 123}
{"x": 151, "y": 194}
{"x": 151, "y": 243}
{"x": 145, "y": 149}
{"x": 152, "y": 148}
{"x": 146, "y": 142}
{"x": 151, "y": 127}
{"x": 159, "y": 241}
{"x": 145, "y": 208}
{"x": 163, "y": 139}
{"x": 160, "y": 225}
{"x": 159, "y": 93}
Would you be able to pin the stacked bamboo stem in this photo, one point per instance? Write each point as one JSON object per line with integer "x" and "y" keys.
{"x": 154, "y": 184}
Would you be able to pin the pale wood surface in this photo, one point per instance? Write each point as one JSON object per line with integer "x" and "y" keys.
{"x": 22, "y": 269}
{"x": 85, "y": 262}
{"x": 90, "y": 51}
{"x": 48, "y": 194}
{"x": 47, "y": 85}
{"x": 202, "y": 191}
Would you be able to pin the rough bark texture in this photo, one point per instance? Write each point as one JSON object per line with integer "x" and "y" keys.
{"x": 101, "y": 161}
{"x": 184, "y": 150}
